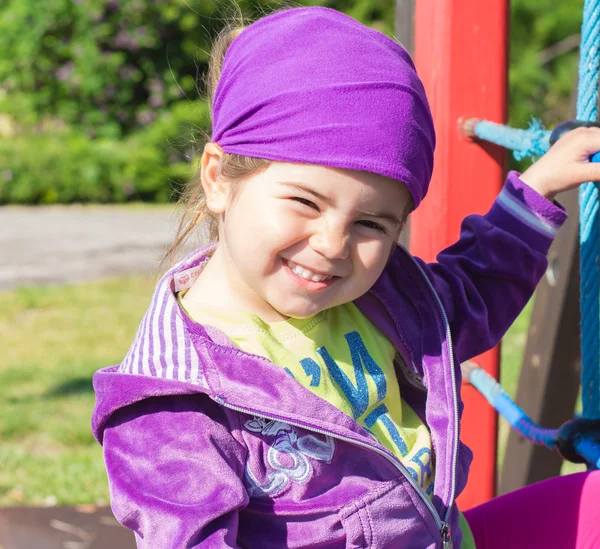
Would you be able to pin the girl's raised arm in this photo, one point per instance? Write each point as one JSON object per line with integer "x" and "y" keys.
{"x": 486, "y": 278}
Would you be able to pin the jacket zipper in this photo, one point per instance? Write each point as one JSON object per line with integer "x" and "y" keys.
{"x": 443, "y": 527}
{"x": 454, "y": 392}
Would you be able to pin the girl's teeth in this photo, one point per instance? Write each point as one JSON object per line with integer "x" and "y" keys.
{"x": 306, "y": 275}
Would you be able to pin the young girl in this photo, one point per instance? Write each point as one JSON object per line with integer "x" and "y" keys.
{"x": 295, "y": 383}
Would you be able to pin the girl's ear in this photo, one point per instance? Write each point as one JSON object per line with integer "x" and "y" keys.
{"x": 215, "y": 189}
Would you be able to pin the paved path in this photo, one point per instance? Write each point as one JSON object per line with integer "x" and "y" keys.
{"x": 80, "y": 527}
{"x": 58, "y": 244}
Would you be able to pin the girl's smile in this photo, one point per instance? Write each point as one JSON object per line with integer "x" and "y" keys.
{"x": 308, "y": 279}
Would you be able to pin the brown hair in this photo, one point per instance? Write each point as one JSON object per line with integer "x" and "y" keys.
{"x": 232, "y": 168}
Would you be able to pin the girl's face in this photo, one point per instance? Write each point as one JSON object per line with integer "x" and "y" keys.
{"x": 298, "y": 238}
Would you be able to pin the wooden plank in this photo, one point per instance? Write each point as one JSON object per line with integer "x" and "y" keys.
{"x": 405, "y": 34}
{"x": 549, "y": 380}
{"x": 405, "y": 24}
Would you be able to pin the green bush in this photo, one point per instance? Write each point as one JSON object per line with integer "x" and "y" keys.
{"x": 542, "y": 81}
{"x": 106, "y": 66}
{"x": 99, "y": 91}
{"x": 67, "y": 166}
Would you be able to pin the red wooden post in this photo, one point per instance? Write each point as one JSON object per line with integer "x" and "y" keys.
{"x": 461, "y": 56}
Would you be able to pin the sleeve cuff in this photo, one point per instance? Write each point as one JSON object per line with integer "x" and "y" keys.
{"x": 527, "y": 214}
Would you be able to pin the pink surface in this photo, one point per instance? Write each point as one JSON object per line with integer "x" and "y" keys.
{"x": 562, "y": 513}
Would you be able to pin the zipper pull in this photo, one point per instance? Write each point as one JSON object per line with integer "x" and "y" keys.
{"x": 446, "y": 538}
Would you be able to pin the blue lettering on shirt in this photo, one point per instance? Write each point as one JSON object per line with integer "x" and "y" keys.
{"x": 312, "y": 370}
{"x": 380, "y": 413}
{"x": 359, "y": 353}
{"x": 413, "y": 474}
{"x": 358, "y": 396}
{"x": 423, "y": 464}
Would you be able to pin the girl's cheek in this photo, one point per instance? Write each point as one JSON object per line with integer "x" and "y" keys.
{"x": 274, "y": 219}
{"x": 372, "y": 253}
{"x": 293, "y": 224}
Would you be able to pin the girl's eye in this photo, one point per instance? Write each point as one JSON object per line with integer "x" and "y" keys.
{"x": 305, "y": 202}
{"x": 374, "y": 226}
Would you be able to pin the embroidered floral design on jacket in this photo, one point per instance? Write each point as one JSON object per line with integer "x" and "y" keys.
{"x": 288, "y": 456}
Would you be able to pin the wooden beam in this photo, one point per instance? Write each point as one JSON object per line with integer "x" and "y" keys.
{"x": 405, "y": 34}
{"x": 405, "y": 24}
{"x": 549, "y": 380}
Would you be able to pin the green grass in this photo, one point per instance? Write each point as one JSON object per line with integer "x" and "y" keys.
{"x": 52, "y": 339}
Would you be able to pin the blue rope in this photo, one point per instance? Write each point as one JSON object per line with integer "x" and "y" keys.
{"x": 534, "y": 142}
{"x": 499, "y": 399}
{"x": 510, "y": 411}
{"x": 589, "y": 232}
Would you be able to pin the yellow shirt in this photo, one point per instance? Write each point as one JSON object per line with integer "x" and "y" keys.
{"x": 342, "y": 357}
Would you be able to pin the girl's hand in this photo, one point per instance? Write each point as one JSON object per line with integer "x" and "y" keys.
{"x": 567, "y": 164}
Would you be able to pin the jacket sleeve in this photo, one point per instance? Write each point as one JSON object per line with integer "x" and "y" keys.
{"x": 175, "y": 472}
{"x": 487, "y": 277}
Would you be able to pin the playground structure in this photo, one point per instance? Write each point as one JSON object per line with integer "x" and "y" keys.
{"x": 461, "y": 49}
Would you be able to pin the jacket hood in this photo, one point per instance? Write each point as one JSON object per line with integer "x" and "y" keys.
{"x": 161, "y": 356}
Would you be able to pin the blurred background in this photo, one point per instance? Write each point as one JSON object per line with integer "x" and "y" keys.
{"x": 101, "y": 117}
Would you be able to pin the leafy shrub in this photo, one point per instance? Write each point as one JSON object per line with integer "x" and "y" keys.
{"x": 105, "y": 66}
{"x": 95, "y": 91}
{"x": 67, "y": 166}
{"x": 75, "y": 70}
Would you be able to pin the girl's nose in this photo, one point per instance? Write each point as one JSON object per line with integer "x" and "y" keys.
{"x": 331, "y": 242}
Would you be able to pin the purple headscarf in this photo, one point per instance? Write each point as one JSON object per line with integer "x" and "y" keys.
{"x": 314, "y": 86}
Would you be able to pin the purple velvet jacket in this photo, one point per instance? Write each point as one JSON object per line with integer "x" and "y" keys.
{"x": 208, "y": 446}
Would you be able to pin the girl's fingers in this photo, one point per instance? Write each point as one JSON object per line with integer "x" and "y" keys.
{"x": 578, "y": 173}
{"x": 586, "y": 141}
{"x": 589, "y": 171}
{"x": 567, "y": 163}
